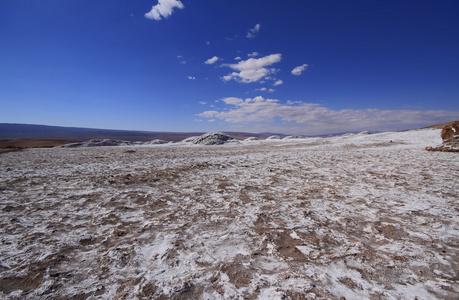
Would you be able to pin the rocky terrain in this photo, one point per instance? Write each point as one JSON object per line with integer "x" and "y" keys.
{"x": 450, "y": 137}
{"x": 211, "y": 138}
{"x": 368, "y": 216}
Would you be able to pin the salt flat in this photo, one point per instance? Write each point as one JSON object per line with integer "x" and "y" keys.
{"x": 361, "y": 217}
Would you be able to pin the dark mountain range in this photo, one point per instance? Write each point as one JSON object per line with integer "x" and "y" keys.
{"x": 43, "y": 132}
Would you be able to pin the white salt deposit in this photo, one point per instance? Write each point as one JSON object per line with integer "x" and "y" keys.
{"x": 369, "y": 216}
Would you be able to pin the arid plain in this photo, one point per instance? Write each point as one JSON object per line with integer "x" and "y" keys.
{"x": 371, "y": 216}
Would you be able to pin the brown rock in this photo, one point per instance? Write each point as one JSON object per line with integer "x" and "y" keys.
{"x": 455, "y": 126}
{"x": 447, "y": 133}
{"x": 450, "y": 136}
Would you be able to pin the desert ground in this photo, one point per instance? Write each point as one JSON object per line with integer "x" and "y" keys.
{"x": 368, "y": 216}
{"x": 19, "y": 144}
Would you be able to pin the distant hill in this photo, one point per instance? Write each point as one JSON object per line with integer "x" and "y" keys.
{"x": 27, "y": 135}
{"x": 440, "y": 126}
{"x": 74, "y": 134}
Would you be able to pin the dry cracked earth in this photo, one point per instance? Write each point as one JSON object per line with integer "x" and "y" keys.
{"x": 373, "y": 217}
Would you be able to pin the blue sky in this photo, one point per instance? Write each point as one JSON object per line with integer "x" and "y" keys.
{"x": 297, "y": 67}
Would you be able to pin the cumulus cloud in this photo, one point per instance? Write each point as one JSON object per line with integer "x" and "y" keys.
{"x": 212, "y": 60}
{"x": 253, "y": 69}
{"x": 312, "y": 118}
{"x": 237, "y": 58}
{"x": 278, "y": 82}
{"x": 191, "y": 77}
{"x": 253, "y": 54}
{"x": 298, "y": 70}
{"x": 263, "y": 89}
{"x": 252, "y": 32}
{"x": 164, "y": 9}
{"x": 202, "y": 102}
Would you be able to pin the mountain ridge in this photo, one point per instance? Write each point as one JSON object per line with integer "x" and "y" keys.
{"x": 13, "y": 131}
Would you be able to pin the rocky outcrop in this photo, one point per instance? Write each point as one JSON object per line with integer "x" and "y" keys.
{"x": 274, "y": 137}
{"x": 250, "y": 139}
{"x": 97, "y": 143}
{"x": 156, "y": 142}
{"x": 364, "y": 133}
{"x": 189, "y": 139}
{"x": 450, "y": 136}
{"x": 213, "y": 138}
{"x": 293, "y": 137}
{"x": 111, "y": 143}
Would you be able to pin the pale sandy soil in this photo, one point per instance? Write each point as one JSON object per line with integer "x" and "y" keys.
{"x": 360, "y": 217}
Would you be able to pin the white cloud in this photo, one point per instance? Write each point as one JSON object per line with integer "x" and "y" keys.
{"x": 278, "y": 82}
{"x": 212, "y": 60}
{"x": 202, "y": 102}
{"x": 182, "y": 61}
{"x": 233, "y": 100}
{"x": 163, "y": 9}
{"x": 298, "y": 70}
{"x": 253, "y": 69}
{"x": 252, "y": 32}
{"x": 312, "y": 118}
{"x": 191, "y": 77}
{"x": 263, "y": 89}
{"x": 253, "y": 54}
{"x": 237, "y": 58}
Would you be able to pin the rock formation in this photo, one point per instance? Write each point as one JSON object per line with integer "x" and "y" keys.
{"x": 293, "y": 137}
{"x": 156, "y": 142}
{"x": 111, "y": 143}
{"x": 450, "y": 136}
{"x": 189, "y": 139}
{"x": 274, "y": 137}
{"x": 213, "y": 138}
{"x": 97, "y": 143}
{"x": 364, "y": 133}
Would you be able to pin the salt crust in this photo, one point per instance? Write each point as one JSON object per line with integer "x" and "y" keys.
{"x": 360, "y": 216}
